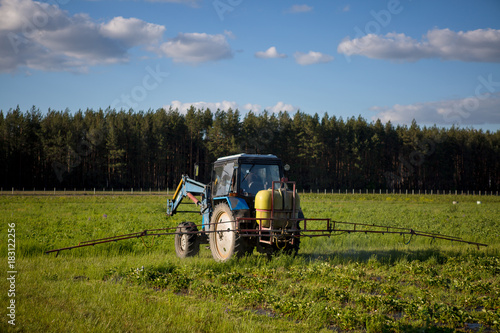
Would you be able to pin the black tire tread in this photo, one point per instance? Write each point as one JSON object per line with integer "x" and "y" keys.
{"x": 193, "y": 247}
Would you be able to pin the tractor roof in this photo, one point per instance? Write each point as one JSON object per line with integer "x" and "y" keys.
{"x": 249, "y": 157}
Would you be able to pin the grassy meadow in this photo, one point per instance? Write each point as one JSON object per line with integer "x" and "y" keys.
{"x": 349, "y": 282}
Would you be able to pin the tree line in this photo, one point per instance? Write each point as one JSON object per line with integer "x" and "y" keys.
{"x": 152, "y": 149}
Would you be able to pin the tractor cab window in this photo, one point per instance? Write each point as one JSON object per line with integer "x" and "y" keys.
{"x": 224, "y": 179}
{"x": 256, "y": 177}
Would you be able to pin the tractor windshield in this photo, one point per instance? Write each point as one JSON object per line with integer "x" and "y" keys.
{"x": 256, "y": 177}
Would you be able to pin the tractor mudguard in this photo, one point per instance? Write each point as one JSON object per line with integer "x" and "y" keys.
{"x": 234, "y": 203}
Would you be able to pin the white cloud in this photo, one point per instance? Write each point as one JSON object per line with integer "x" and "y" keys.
{"x": 346, "y": 8}
{"x": 482, "y": 45}
{"x": 299, "y": 9}
{"x": 256, "y": 108}
{"x": 225, "y": 105}
{"x": 37, "y": 35}
{"x": 183, "y": 107}
{"x": 132, "y": 31}
{"x": 281, "y": 106}
{"x": 229, "y": 34}
{"x": 270, "y": 53}
{"x": 312, "y": 58}
{"x": 474, "y": 110}
{"x": 196, "y": 48}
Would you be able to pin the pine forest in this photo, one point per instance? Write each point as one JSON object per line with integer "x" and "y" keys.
{"x": 152, "y": 149}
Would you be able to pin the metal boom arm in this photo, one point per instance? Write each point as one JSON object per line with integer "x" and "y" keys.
{"x": 187, "y": 188}
{"x": 333, "y": 228}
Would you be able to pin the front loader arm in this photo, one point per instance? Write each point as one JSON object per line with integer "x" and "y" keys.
{"x": 187, "y": 188}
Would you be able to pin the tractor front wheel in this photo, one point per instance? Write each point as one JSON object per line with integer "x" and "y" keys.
{"x": 225, "y": 240}
{"x": 186, "y": 240}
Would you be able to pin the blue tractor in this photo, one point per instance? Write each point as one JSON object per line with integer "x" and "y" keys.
{"x": 248, "y": 205}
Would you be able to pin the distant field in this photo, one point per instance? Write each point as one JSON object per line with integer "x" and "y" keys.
{"x": 352, "y": 282}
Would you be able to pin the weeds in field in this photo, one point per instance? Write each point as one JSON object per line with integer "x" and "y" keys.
{"x": 351, "y": 296}
{"x": 351, "y": 282}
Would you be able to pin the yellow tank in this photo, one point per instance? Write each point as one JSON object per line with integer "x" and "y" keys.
{"x": 283, "y": 204}
{"x": 288, "y": 202}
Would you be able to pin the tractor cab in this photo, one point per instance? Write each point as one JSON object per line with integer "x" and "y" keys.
{"x": 244, "y": 175}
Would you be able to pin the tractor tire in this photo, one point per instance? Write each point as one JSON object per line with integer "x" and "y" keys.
{"x": 186, "y": 240}
{"x": 225, "y": 241}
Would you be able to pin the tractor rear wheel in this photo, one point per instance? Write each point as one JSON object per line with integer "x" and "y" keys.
{"x": 186, "y": 240}
{"x": 225, "y": 241}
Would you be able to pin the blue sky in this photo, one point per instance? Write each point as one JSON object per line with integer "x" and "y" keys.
{"x": 434, "y": 61}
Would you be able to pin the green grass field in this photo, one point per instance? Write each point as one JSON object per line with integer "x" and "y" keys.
{"x": 350, "y": 282}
